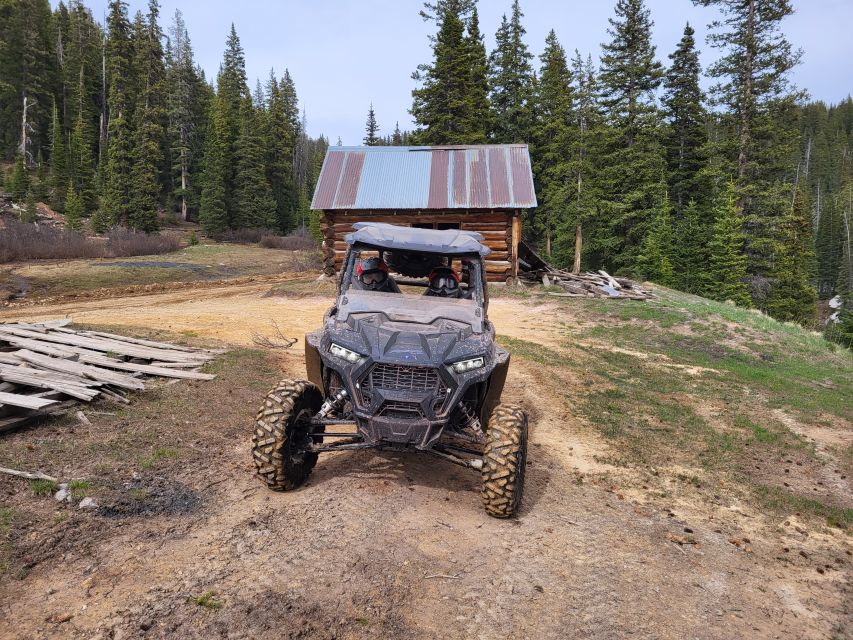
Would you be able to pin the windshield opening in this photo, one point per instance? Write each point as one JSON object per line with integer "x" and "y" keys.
{"x": 450, "y": 277}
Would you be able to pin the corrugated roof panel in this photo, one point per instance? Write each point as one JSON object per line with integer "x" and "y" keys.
{"x": 460, "y": 180}
{"x": 498, "y": 178}
{"x": 327, "y": 185}
{"x": 522, "y": 178}
{"x": 438, "y": 180}
{"x": 350, "y": 177}
{"x": 394, "y": 181}
{"x": 479, "y": 182}
{"x": 450, "y": 177}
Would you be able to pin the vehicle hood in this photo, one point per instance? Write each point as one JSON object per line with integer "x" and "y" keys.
{"x": 441, "y": 333}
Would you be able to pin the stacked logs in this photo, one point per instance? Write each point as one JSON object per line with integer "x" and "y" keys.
{"x": 495, "y": 227}
{"x": 587, "y": 285}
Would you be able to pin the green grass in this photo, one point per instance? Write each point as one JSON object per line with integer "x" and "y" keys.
{"x": 207, "y": 600}
{"x": 783, "y": 501}
{"x": 79, "y": 488}
{"x": 43, "y": 487}
{"x": 138, "y": 494}
{"x": 158, "y": 455}
{"x": 761, "y": 434}
{"x": 744, "y": 366}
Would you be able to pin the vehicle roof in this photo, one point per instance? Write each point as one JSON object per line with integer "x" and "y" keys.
{"x": 391, "y": 236}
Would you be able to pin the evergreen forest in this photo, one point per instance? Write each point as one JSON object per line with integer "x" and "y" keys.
{"x": 741, "y": 193}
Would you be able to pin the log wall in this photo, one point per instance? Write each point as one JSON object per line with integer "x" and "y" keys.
{"x": 497, "y": 228}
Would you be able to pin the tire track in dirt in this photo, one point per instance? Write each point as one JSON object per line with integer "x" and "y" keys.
{"x": 396, "y": 545}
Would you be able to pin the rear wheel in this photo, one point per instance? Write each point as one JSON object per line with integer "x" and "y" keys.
{"x": 504, "y": 458}
{"x": 281, "y": 440}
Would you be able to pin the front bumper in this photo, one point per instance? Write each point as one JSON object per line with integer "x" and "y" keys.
{"x": 401, "y": 404}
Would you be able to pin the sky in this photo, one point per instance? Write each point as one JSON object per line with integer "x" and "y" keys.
{"x": 345, "y": 54}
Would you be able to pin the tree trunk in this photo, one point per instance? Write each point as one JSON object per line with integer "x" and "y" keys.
{"x": 184, "y": 183}
{"x": 578, "y": 246}
{"x": 547, "y": 242}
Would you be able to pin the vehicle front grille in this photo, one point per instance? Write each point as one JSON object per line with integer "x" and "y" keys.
{"x": 393, "y": 377}
{"x": 401, "y": 410}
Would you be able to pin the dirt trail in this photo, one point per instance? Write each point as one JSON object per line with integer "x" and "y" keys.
{"x": 382, "y": 545}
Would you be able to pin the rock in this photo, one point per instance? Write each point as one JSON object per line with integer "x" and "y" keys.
{"x": 88, "y": 503}
{"x": 63, "y": 495}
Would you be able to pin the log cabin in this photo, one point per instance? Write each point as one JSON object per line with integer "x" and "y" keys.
{"x": 482, "y": 188}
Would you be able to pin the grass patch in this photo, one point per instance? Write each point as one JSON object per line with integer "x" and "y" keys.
{"x": 533, "y": 351}
{"x": 138, "y": 494}
{"x": 7, "y": 515}
{"x": 158, "y": 455}
{"x": 79, "y": 488}
{"x": 207, "y": 600}
{"x": 760, "y": 433}
{"x": 43, "y": 487}
{"x": 785, "y": 502}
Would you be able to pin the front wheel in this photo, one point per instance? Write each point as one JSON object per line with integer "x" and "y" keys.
{"x": 281, "y": 440}
{"x": 504, "y": 458}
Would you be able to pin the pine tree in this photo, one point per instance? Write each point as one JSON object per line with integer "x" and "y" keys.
{"x": 441, "y": 105}
{"x": 27, "y": 77}
{"x": 655, "y": 259}
{"x": 552, "y": 141}
{"x": 283, "y": 129}
{"x": 149, "y": 133}
{"x": 81, "y": 172}
{"x": 213, "y": 212}
{"x": 184, "y": 115}
{"x": 512, "y": 81}
{"x": 633, "y": 168}
{"x": 58, "y": 162}
{"x": 30, "y": 212}
{"x": 397, "y": 136}
{"x": 74, "y": 210}
{"x": 19, "y": 181}
{"x": 579, "y": 232}
{"x": 232, "y": 90}
{"x": 478, "y": 90}
{"x": 690, "y": 257}
{"x": 371, "y": 128}
{"x": 754, "y": 85}
{"x": 726, "y": 273}
{"x": 793, "y": 297}
{"x": 255, "y": 205}
{"x": 685, "y": 116}
{"x": 115, "y": 201}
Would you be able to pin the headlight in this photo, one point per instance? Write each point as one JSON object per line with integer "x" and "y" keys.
{"x": 345, "y": 354}
{"x": 467, "y": 365}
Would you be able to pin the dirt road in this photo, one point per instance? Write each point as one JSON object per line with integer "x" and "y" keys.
{"x": 382, "y": 545}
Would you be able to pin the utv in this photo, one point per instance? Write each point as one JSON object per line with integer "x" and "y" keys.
{"x": 403, "y": 368}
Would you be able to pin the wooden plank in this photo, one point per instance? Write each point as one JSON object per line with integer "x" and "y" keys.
{"x": 25, "y": 402}
{"x": 106, "y": 345}
{"x": 41, "y": 382}
{"x": 84, "y": 370}
{"x": 149, "y": 343}
{"x": 150, "y": 370}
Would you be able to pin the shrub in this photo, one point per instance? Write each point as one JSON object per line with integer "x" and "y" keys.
{"x": 244, "y": 236}
{"x": 299, "y": 240}
{"x": 20, "y": 241}
{"x": 123, "y": 242}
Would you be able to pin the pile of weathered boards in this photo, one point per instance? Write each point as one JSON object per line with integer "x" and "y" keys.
{"x": 47, "y": 367}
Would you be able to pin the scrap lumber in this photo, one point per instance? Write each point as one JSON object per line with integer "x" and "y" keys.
{"x": 38, "y": 475}
{"x": 46, "y": 367}
{"x": 533, "y": 268}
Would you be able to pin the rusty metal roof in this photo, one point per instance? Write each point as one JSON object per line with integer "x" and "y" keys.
{"x": 453, "y": 177}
